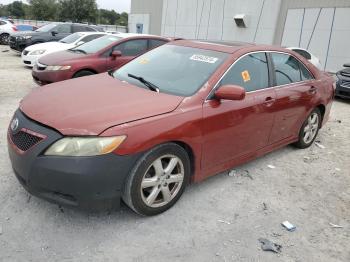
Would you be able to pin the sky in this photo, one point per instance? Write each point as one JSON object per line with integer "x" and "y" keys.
{"x": 118, "y": 5}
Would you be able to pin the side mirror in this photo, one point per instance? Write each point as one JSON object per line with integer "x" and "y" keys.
{"x": 347, "y": 65}
{"x": 115, "y": 54}
{"x": 54, "y": 33}
{"x": 80, "y": 43}
{"x": 230, "y": 92}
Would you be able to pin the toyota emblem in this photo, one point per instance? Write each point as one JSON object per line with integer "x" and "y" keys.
{"x": 14, "y": 124}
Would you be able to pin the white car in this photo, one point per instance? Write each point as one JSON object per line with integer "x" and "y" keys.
{"x": 31, "y": 54}
{"x": 305, "y": 53}
{"x": 6, "y": 29}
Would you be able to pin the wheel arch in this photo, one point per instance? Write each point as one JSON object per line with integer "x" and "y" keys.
{"x": 322, "y": 109}
{"x": 86, "y": 69}
{"x": 190, "y": 153}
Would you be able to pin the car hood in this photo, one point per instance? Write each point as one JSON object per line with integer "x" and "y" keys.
{"x": 31, "y": 33}
{"x": 61, "y": 57}
{"x": 49, "y": 46}
{"x": 92, "y": 104}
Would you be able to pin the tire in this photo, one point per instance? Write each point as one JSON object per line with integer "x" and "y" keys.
{"x": 4, "y": 39}
{"x": 83, "y": 73}
{"x": 304, "y": 140}
{"x": 149, "y": 199}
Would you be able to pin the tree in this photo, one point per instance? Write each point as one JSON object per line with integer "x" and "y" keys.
{"x": 123, "y": 20}
{"x": 108, "y": 17}
{"x": 78, "y": 10}
{"x": 43, "y": 9}
{"x": 3, "y": 10}
{"x": 16, "y": 9}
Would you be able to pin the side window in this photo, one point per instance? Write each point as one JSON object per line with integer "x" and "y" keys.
{"x": 303, "y": 53}
{"x": 153, "y": 43}
{"x": 250, "y": 72}
{"x": 132, "y": 47}
{"x": 286, "y": 69}
{"x": 305, "y": 73}
{"x": 78, "y": 28}
{"x": 90, "y": 38}
{"x": 88, "y": 29}
{"x": 64, "y": 29}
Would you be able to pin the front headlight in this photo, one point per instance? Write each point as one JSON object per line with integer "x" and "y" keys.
{"x": 84, "y": 146}
{"x": 38, "y": 52}
{"x": 57, "y": 68}
{"x": 27, "y": 37}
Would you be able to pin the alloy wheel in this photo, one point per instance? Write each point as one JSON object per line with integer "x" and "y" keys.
{"x": 162, "y": 181}
{"x": 310, "y": 129}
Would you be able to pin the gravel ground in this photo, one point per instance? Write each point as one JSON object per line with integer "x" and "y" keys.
{"x": 219, "y": 219}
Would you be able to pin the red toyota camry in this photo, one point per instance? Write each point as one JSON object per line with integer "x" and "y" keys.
{"x": 177, "y": 114}
{"x": 100, "y": 55}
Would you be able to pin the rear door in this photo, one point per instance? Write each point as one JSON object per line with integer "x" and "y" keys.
{"x": 129, "y": 50}
{"x": 232, "y": 129}
{"x": 294, "y": 91}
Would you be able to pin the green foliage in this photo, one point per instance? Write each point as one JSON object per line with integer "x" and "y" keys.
{"x": 16, "y": 9}
{"x": 43, "y": 9}
{"x": 78, "y": 10}
{"x": 63, "y": 10}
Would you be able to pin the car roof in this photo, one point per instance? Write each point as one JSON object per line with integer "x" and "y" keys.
{"x": 91, "y": 33}
{"x": 220, "y": 46}
{"x": 227, "y": 47}
{"x": 127, "y": 35}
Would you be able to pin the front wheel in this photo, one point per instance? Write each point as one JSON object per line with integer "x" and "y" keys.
{"x": 309, "y": 129}
{"x": 4, "y": 39}
{"x": 83, "y": 73}
{"x": 157, "y": 180}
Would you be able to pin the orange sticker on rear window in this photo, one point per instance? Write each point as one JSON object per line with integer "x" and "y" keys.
{"x": 245, "y": 76}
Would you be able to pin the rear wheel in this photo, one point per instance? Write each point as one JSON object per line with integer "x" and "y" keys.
{"x": 4, "y": 39}
{"x": 309, "y": 129}
{"x": 83, "y": 73}
{"x": 157, "y": 180}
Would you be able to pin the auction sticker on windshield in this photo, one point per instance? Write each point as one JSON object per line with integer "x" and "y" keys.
{"x": 203, "y": 58}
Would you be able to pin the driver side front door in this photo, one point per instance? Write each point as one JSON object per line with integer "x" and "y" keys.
{"x": 233, "y": 130}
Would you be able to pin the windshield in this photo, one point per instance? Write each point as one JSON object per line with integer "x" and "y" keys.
{"x": 46, "y": 28}
{"x": 71, "y": 38}
{"x": 97, "y": 44}
{"x": 173, "y": 69}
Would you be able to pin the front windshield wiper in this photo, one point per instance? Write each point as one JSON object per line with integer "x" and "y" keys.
{"x": 150, "y": 85}
{"x": 78, "y": 50}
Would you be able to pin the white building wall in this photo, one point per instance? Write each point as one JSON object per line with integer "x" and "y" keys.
{"x": 323, "y": 31}
{"x": 213, "y": 19}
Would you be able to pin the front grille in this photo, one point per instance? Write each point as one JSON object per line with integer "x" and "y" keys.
{"x": 346, "y": 74}
{"x": 27, "y": 62}
{"x": 24, "y": 140}
{"x": 25, "y": 52}
{"x": 345, "y": 84}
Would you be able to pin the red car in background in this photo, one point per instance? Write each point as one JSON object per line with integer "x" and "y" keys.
{"x": 179, "y": 113}
{"x": 98, "y": 56}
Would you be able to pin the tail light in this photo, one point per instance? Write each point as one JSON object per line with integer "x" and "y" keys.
{"x": 14, "y": 28}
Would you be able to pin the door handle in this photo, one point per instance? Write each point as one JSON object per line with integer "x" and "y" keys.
{"x": 269, "y": 101}
{"x": 312, "y": 90}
